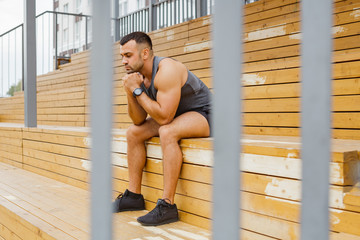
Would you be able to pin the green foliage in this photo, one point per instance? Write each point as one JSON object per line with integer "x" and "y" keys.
{"x": 14, "y": 88}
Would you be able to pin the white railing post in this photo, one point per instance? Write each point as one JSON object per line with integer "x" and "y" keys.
{"x": 316, "y": 56}
{"x": 227, "y": 69}
{"x": 101, "y": 75}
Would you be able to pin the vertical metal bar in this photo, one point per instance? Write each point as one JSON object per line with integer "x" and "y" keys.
{"x": 49, "y": 30}
{"x": 15, "y": 56}
{"x": 191, "y": 9}
{"x": 79, "y": 33}
{"x": 68, "y": 37}
{"x": 227, "y": 131}
{"x": 131, "y": 23}
{"x": 86, "y": 33}
{"x": 151, "y": 16}
{"x": 101, "y": 122}
{"x": 167, "y": 13}
{"x": 43, "y": 44}
{"x": 117, "y": 22}
{"x": 183, "y": 10}
{"x": 121, "y": 27}
{"x": 137, "y": 21}
{"x": 179, "y": 12}
{"x": 127, "y": 25}
{"x": 174, "y": 9}
{"x": 23, "y": 57}
{"x": 30, "y": 64}
{"x": 316, "y": 55}
{"x": 8, "y": 62}
{"x": 56, "y": 40}
{"x": 198, "y": 8}
{"x": 203, "y": 7}
{"x": 163, "y": 14}
{"x": 2, "y": 66}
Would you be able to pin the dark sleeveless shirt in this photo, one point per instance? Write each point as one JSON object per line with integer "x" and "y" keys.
{"x": 195, "y": 95}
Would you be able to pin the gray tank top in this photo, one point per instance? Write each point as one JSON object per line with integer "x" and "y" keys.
{"x": 195, "y": 95}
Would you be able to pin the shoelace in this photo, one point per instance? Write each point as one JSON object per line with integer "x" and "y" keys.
{"x": 120, "y": 195}
{"x": 158, "y": 209}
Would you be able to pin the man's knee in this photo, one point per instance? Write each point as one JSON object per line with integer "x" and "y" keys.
{"x": 133, "y": 133}
{"x": 167, "y": 134}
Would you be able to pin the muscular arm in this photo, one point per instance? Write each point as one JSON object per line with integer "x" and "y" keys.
{"x": 135, "y": 110}
{"x": 168, "y": 82}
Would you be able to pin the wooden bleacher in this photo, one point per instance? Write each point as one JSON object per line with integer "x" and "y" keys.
{"x": 55, "y": 154}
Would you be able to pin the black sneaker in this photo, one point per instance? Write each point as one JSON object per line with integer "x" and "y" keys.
{"x": 128, "y": 201}
{"x": 163, "y": 213}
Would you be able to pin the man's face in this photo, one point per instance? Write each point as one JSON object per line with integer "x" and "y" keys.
{"x": 131, "y": 56}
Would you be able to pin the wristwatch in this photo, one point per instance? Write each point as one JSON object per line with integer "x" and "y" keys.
{"x": 137, "y": 92}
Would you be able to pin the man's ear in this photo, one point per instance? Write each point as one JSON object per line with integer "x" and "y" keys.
{"x": 146, "y": 53}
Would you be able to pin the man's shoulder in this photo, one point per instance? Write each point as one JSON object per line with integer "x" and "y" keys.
{"x": 171, "y": 65}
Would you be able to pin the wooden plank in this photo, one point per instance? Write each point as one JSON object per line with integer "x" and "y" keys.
{"x": 340, "y": 119}
{"x": 57, "y": 177}
{"x": 71, "y": 231}
{"x": 6, "y": 234}
{"x": 60, "y": 138}
{"x": 352, "y": 197}
{"x": 348, "y": 103}
{"x": 27, "y": 226}
{"x": 58, "y": 159}
{"x": 64, "y": 170}
{"x": 56, "y": 148}
{"x": 340, "y": 87}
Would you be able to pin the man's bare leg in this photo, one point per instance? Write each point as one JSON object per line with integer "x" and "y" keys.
{"x": 187, "y": 125}
{"x": 136, "y": 152}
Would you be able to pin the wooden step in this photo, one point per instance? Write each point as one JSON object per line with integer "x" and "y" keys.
{"x": 271, "y": 168}
{"x": 35, "y": 207}
{"x": 353, "y": 196}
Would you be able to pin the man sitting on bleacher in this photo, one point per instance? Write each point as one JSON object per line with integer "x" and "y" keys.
{"x": 178, "y": 105}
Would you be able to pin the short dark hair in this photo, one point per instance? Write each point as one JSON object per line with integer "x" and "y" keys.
{"x": 139, "y": 37}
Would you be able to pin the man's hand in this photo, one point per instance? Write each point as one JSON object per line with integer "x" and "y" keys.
{"x": 132, "y": 81}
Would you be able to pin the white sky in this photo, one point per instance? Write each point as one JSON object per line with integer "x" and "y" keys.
{"x": 11, "y": 12}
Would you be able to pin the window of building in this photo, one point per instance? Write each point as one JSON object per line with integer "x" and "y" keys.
{"x": 65, "y": 23}
{"x": 66, "y": 35}
{"x": 78, "y": 6}
{"x": 140, "y": 4}
{"x": 77, "y": 31}
{"x": 66, "y": 7}
{"x": 123, "y": 7}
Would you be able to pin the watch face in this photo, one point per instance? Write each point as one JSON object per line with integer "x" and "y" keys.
{"x": 137, "y": 91}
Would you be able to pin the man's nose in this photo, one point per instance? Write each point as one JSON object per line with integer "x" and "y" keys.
{"x": 124, "y": 61}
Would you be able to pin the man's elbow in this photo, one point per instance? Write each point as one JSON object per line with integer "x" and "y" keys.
{"x": 165, "y": 121}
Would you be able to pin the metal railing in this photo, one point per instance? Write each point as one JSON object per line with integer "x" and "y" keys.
{"x": 60, "y": 34}
{"x": 11, "y": 61}
{"x": 162, "y": 14}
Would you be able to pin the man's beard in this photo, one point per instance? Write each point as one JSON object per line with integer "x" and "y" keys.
{"x": 136, "y": 68}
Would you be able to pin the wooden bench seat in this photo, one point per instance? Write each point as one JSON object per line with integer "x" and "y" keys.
{"x": 271, "y": 175}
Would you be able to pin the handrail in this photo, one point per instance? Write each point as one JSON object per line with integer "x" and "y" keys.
{"x": 20, "y": 25}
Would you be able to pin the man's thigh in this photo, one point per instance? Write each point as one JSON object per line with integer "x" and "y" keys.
{"x": 189, "y": 125}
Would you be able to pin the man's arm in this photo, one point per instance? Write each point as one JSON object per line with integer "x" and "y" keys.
{"x": 168, "y": 82}
{"x": 136, "y": 112}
